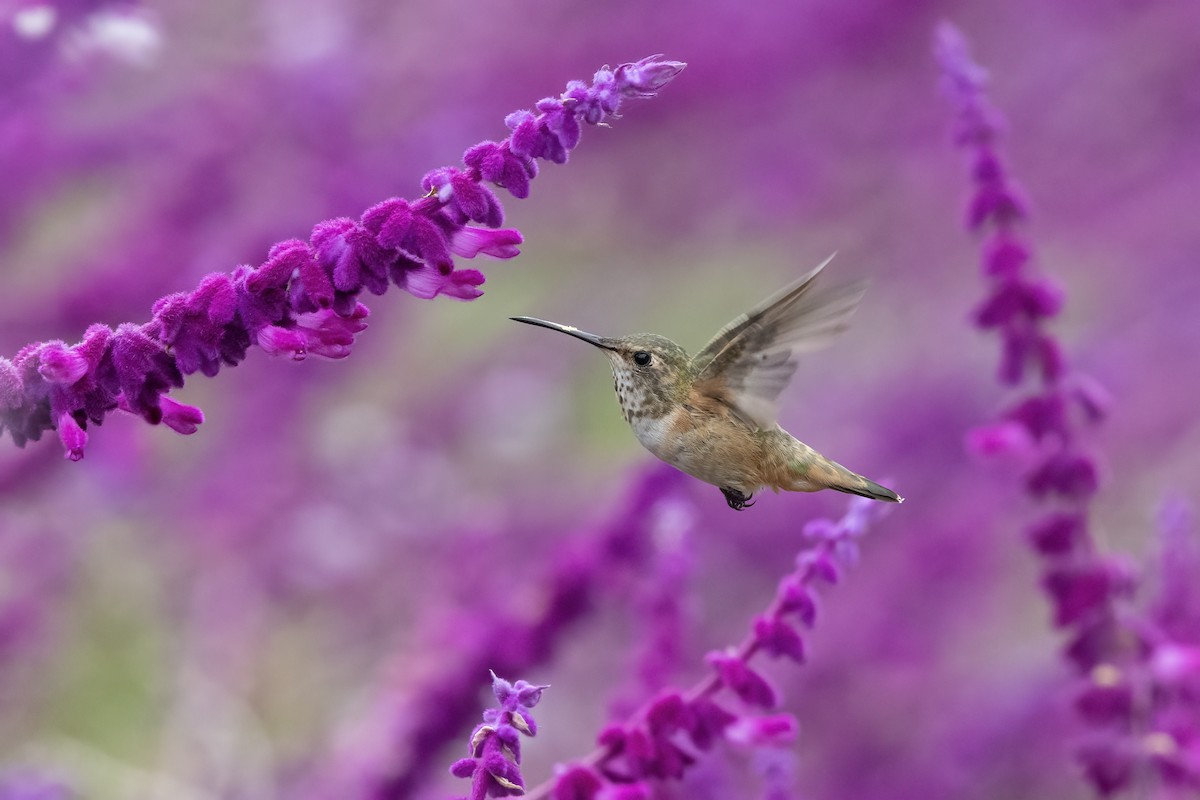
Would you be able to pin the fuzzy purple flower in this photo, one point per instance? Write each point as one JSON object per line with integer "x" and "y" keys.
{"x": 669, "y": 734}
{"x": 303, "y": 300}
{"x": 1129, "y": 662}
{"x": 494, "y": 764}
{"x": 587, "y": 566}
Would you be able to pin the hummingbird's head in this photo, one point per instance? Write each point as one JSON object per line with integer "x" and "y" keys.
{"x": 650, "y": 372}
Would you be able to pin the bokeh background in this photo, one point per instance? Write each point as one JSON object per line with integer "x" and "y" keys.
{"x": 261, "y": 609}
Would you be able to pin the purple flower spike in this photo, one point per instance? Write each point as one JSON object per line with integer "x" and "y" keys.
{"x": 303, "y": 299}
{"x": 649, "y": 746}
{"x": 494, "y": 764}
{"x": 1138, "y": 671}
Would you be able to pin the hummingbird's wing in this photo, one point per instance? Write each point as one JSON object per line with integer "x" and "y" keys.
{"x": 749, "y": 362}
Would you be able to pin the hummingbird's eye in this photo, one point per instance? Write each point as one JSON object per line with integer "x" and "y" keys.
{"x": 641, "y": 358}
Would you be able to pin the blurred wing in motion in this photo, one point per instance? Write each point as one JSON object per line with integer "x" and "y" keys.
{"x": 751, "y": 360}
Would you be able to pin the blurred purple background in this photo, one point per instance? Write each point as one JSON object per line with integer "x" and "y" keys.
{"x": 258, "y": 610}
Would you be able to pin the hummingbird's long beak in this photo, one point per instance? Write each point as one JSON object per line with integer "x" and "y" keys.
{"x": 590, "y": 338}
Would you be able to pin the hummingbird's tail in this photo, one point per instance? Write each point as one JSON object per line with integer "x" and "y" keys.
{"x": 807, "y": 470}
{"x": 864, "y": 487}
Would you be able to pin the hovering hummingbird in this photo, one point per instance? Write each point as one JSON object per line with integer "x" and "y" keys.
{"x": 712, "y": 415}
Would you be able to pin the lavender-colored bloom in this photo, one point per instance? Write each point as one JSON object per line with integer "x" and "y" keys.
{"x": 667, "y": 736}
{"x": 1127, "y": 662}
{"x": 302, "y": 300}
{"x": 590, "y": 564}
{"x": 494, "y": 763}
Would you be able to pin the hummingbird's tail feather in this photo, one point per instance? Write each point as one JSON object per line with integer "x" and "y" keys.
{"x": 864, "y": 487}
{"x": 808, "y": 471}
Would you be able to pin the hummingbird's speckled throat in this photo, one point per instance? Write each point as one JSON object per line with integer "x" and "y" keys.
{"x": 713, "y": 415}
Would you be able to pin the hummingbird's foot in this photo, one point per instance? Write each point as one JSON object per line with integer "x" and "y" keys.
{"x": 737, "y": 501}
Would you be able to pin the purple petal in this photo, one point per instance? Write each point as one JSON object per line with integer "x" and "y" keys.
{"x": 180, "y": 417}
{"x": 12, "y": 390}
{"x": 463, "y": 284}
{"x": 315, "y": 280}
{"x": 1041, "y": 415}
{"x": 488, "y": 157}
{"x": 529, "y": 694}
{"x": 1176, "y": 664}
{"x": 476, "y": 202}
{"x": 777, "y": 729}
{"x": 779, "y": 638}
{"x": 1003, "y": 204}
{"x": 503, "y": 772}
{"x": 1059, "y": 533}
{"x": 795, "y": 598}
{"x": 1108, "y": 764}
{"x": 73, "y": 437}
{"x": 645, "y": 77}
{"x": 1095, "y": 642}
{"x": 1078, "y": 591}
{"x": 747, "y": 684}
{"x": 426, "y": 240}
{"x": 817, "y": 565}
{"x": 1004, "y": 255}
{"x": 394, "y": 228}
{"x": 667, "y": 714}
{"x": 707, "y": 722}
{"x": 1067, "y": 475}
{"x": 1004, "y": 441}
{"x": 515, "y": 175}
{"x": 1049, "y": 355}
{"x": 62, "y": 365}
{"x": 626, "y": 791}
{"x": 1104, "y": 705}
{"x": 525, "y": 139}
{"x": 277, "y": 270}
{"x": 277, "y": 341}
{"x": 577, "y": 783}
{"x": 1090, "y": 396}
{"x": 468, "y": 242}
{"x": 424, "y": 281}
{"x": 328, "y": 334}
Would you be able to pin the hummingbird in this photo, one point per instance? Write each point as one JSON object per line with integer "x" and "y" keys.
{"x": 713, "y": 415}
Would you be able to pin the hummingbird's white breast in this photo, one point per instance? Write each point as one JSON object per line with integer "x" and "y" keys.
{"x": 654, "y": 434}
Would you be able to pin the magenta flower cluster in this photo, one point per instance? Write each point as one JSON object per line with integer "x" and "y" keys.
{"x": 303, "y": 300}
{"x": 1137, "y": 692}
{"x": 587, "y": 568}
{"x": 494, "y": 765}
{"x": 666, "y": 737}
